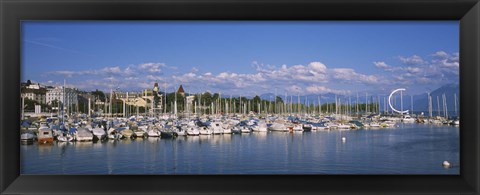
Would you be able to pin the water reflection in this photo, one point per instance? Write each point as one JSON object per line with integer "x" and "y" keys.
{"x": 44, "y": 149}
{"x": 83, "y": 145}
{"x": 261, "y": 136}
{"x": 409, "y": 149}
{"x": 153, "y": 140}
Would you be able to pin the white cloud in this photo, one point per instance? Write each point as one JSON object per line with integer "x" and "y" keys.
{"x": 64, "y": 73}
{"x": 436, "y": 69}
{"x": 382, "y": 65}
{"x": 440, "y": 54}
{"x": 322, "y": 89}
{"x": 349, "y": 75}
{"x": 456, "y": 56}
{"x": 151, "y": 67}
{"x": 294, "y": 89}
{"x": 318, "y": 67}
{"x": 314, "y": 77}
{"x": 413, "y": 70}
{"x": 412, "y": 60}
{"x": 131, "y": 78}
{"x": 425, "y": 80}
{"x": 447, "y": 63}
{"x": 111, "y": 70}
{"x": 313, "y": 72}
{"x": 144, "y": 85}
{"x": 130, "y": 70}
{"x": 153, "y": 78}
{"x": 450, "y": 64}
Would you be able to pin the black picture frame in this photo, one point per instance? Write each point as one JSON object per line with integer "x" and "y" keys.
{"x": 12, "y": 12}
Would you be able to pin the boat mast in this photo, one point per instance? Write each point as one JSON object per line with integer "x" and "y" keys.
{"x": 291, "y": 104}
{"x": 456, "y": 113}
{"x": 366, "y": 102}
{"x": 240, "y": 104}
{"x": 165, "y": 92}
{"x": 430, "y": 109}
{"x": 446, "y": 106}
{"x": 298, "y": 103}
{"x": 110, "y": 103}
{"x": 336, "y": 105}
{"x": 349, "y": 105}
{"x": 411, "y": 104}
{"x": 175, "y": 104}
{"x": 319, "y": 104}
{"x": 357, "y": 103}
{"x": 401, "y": 101}
{"x": 385, "y": 108}
{"x": 275, "y": 108}
{"x": 63, "y": 102}
{"x": 23, "y": 107}
{"x": 438, "y": 106}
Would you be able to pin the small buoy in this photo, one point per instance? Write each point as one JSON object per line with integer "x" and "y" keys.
{"x": 446, "y": 164}
{"x": 344, "y": 139}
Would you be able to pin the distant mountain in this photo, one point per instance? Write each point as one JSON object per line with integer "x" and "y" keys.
{"x": 420, "y": 101}
{"x": 450, "y": 90}
{"x": 311, "y": 98}
{"x": 267, "y": 96}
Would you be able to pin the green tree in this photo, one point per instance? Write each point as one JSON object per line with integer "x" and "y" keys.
{"x": 279, "y": 99}
{"x": 99, "y": 94}
{"x": 215, "y": 96}
{"x": 29, "y": 105}
{"x": 156, "y": 99}
{"x": 207, "y": 98}
{"x": 82, "y": 107}
{"x": 256, "y": 99}
{"x": 171, "y": 102}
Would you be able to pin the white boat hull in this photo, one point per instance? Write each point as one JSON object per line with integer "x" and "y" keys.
{"x": 153, "y": 133}
{"x": 278, "y": 127}
{"x": 181, "y": 133}
{"x": 84, "y": 139}
{"x": 192, "y": 131}
{"x": 27, "y": 136}
{"x": 65, "y": 138}
{"x": 227, "y": 131}
{"x": 205, "y": 132}
{"x": 140, "y": 133}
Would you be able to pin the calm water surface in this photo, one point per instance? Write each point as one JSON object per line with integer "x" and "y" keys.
{"x": 407, "y": 149}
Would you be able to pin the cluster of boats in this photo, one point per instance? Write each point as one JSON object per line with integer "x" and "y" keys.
{"x": 82, "y": 128}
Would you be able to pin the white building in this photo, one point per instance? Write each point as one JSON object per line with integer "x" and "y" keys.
{"x": 71, "y": 95}
{"x": 190, "y": 106}
{"x": 35, "y": 86}
{"x": 37, "y": 95}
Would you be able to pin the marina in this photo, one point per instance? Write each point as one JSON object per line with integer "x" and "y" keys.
{"x": 237, "y": 144}
{"x": 239, "y": 97}
{"x": 406, "y": 149}
{"x": 232, "y": 137}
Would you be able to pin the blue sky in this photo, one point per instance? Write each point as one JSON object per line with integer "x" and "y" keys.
{"x": 243, "y": 58}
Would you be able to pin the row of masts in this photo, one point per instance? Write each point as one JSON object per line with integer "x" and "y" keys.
{"x": 286, "y": 106}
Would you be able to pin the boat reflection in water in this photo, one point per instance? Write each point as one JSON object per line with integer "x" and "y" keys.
{"x": 404, "y": 149}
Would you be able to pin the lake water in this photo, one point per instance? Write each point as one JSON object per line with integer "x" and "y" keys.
{"x": 406, "y": 149}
